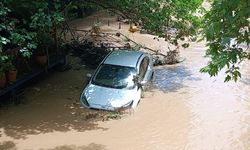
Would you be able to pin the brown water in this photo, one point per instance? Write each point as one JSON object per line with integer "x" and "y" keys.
{"x": 184, "y": 110}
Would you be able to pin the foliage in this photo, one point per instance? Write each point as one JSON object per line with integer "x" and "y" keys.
{"x": 159, "y": 17}
{"x": 6, "y": 24}
{"x": 79, "y": 9}
{"x": 226, "y": 28}
{"x": 27, "y": 25}
{"x": 47, "y": 17}
{"x": 45, "y": 21}
{"x": 11, "y": 36}
{"x": 30, "y": 29}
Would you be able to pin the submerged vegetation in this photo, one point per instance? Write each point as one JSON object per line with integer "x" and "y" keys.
{"x": 32, "y": 26}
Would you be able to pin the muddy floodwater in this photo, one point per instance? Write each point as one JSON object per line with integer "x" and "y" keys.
{"x": 216, "y": 114}
{"x": 184, "y": 110}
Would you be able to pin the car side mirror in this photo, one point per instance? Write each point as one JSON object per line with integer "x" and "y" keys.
{"x": 142, "y": 83}
{"x": 138, "y": 81}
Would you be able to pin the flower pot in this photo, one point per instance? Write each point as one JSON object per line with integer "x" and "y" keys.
{"x": 13, "y": 51}
{"x": 42, "y": 60}
{"x": 12, "y": 75}
{"x": 2, "y": 80}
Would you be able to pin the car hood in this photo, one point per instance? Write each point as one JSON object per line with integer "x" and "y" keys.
{"x": 107, "y": 98}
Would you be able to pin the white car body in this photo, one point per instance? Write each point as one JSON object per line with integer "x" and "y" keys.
{"x": 108, "y": 90}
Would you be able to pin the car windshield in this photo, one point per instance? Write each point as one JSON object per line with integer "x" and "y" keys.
{"x": 115, "y": 76}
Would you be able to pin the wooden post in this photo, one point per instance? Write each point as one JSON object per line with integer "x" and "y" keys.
{"x": 108, "y": 22}
{"x": 120, "y": 25}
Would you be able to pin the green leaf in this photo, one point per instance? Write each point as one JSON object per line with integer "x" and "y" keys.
{"x": 228, "y": 78}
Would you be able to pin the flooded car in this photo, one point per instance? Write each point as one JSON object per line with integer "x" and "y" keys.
{"x": 119, "y": 80}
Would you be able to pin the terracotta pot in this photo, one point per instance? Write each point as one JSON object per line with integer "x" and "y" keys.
{"x": 12, "y": 75}
{"x": 2, "y": 81}
{"x": 13, "y": 51}
{"x": 42, "y": 60}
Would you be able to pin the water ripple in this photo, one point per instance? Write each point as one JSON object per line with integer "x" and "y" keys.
{"x": 171, "y": 78}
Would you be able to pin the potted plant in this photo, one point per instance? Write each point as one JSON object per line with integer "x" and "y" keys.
{"x": 44, "y": 23}
{"x": 2, "y": 78}
{"x": 11, "y": 71}
{"x": 41, "y": 59}
{"x": 12, "y": 74}
{"x": 41, "y": 53}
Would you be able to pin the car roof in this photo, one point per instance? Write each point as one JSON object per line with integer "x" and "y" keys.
{"x": 123, "y": 58}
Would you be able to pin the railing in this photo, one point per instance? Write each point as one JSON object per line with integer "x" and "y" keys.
{"x": 54, "y": 60}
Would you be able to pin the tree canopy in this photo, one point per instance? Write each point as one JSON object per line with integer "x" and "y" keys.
{"x": 225, "y": 26}
{"x": 159, "y": 16}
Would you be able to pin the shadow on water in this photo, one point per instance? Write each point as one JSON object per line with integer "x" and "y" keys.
{"x": 7, "y": 145}
{"x": 52, "y": 107}
{"x": 245, "y": 81}
{"x": 91, "y": 146}
{"x": 71, "y": 117}
{"x": 171, "y": 78}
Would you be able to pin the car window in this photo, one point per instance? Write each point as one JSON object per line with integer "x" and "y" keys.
{"x": 114, "y": 76}
{"x": 143, "y": 67}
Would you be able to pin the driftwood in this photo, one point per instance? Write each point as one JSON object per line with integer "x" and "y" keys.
{"x": 172, "y": 56}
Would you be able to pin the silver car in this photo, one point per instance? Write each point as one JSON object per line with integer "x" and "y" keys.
{"x": 119, "y": 80}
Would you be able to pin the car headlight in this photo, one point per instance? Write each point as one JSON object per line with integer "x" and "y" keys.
{"x": 115, "y": 104}
{"x": 84, "y": 100}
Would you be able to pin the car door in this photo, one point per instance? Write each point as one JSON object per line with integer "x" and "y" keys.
{"x": 149, "y": 68}
{"x": 145, "y": 69}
